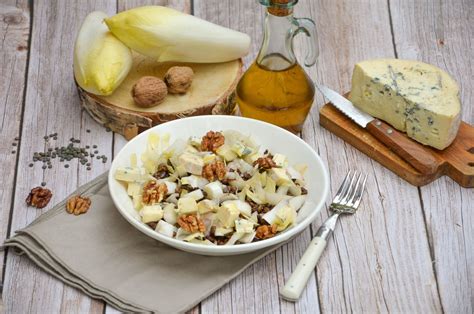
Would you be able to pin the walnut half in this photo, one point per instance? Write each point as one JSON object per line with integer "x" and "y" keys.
{"x": 39, "y": 197}
{"x": 153, "y": 192}
{"x": 264, "y": 163}
{"x": 212, "y": 141}
{"x": 265, "y": 232}
{"x": 191, "y": 223}
{"x": 78, "y": 205}
{"x": 214, "y": 171}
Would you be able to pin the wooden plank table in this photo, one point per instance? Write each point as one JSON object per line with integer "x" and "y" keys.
{"x": 408, "y": 250}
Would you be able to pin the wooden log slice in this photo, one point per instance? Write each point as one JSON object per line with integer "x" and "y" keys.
{"x": 212, "y": 92}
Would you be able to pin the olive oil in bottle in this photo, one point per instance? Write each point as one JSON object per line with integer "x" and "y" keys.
{"x": 275, "y": 88}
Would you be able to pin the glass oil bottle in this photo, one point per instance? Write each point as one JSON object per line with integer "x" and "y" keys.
{"x": 275, "y": 88}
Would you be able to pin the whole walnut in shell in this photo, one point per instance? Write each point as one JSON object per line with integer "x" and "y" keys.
{"x": 179, "y": 79}
{"x": 149, "y": 91}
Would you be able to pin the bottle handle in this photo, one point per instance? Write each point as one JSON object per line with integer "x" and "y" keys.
{"x": 308, "y": 27}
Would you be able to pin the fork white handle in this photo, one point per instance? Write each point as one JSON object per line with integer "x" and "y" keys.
{"x": 298, "y": 279}
{"x": 346, "y": 201}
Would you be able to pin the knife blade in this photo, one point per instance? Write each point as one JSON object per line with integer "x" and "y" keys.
{"x": 344, "y": 105}
{"x": 415, "y": 154}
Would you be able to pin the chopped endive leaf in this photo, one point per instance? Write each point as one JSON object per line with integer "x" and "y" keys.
{"x": 170, "y": 213}
{"x": 285, "y": 217}
{"x": 234, "y": 238}
{"x": 166, "y": 228}
{"x": 297, "y": 202}
{"x": 247, "y": 237}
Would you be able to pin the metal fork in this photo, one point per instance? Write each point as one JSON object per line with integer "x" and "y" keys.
{"x": 346, "y": 201}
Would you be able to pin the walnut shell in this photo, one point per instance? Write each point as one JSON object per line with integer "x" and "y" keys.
{"x": 149, "y": 91}
{"x": 179, "y": 79}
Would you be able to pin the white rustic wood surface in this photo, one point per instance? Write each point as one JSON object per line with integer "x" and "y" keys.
{"x": 407, "y": 250}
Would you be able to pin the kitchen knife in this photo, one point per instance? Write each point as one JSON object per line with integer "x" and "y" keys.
{"x": 413, "y": 153}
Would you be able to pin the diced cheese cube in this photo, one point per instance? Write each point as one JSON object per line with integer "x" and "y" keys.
{"x": 250, "y": 159}
{"x": 191, "y": 162}
{"x": 181, "y": 170}
{"x": 169, "y": 214}
{"x": 244, "y": 226}
{"x": 240, "y": 149}
{"x": 412, "y": 96}
{"x": 187, "y": 205}
{"x": 137, "y": 201}
{"x": 134, "y": 188}
{"x": 214, "y": 190}
{"x": 166, "y": 229}
{"x": 206, "y": 206}
{"x": 280, "y": 160}
{"x": 151, "y": 213}
{"x": 227, "y": 214}
{"x": 279, "y": 176}
{"x": 243, "y": 207}
{"x": 196, "y": 195}
{"x": 129, "y": 174}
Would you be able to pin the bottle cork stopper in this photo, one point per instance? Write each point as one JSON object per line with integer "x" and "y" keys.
{"x": 277, "y": 7}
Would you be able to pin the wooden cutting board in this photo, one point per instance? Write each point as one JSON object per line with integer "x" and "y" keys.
{"x": 211, "y": 92}
{"x": 456, "y": 161}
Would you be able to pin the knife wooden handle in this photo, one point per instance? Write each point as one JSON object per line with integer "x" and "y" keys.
{"x": 415, "y": 154}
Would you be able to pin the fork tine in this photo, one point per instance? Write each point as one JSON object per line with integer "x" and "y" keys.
{"x": 352, "y": 189}
{"x": 355, "y": 189}
{"x": 359, "y": 193}
{"x": 342, "y": 189}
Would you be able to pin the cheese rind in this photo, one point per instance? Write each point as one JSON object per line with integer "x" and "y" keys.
{"x": 414, "y": 97}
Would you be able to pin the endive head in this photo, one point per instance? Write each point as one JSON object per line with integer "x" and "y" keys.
{"x": 101, "y": 61}
{"x": 169, "y": 35}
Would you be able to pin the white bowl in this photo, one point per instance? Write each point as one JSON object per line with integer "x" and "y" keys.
{"x": 277, "y": 140}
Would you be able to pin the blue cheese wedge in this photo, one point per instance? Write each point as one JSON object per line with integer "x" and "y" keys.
{"x": 414, "y": 97}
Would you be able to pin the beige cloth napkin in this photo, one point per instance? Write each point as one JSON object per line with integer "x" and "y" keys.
{"x": 101, "y": 254}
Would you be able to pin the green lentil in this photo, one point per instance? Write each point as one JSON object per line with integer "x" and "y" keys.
{"x": 65, "y": 153}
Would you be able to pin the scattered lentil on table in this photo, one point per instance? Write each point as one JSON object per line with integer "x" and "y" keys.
{"x": 64, "y": 153}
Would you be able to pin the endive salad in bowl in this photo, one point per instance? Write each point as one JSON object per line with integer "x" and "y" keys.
{"x": 218, "y": 185}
